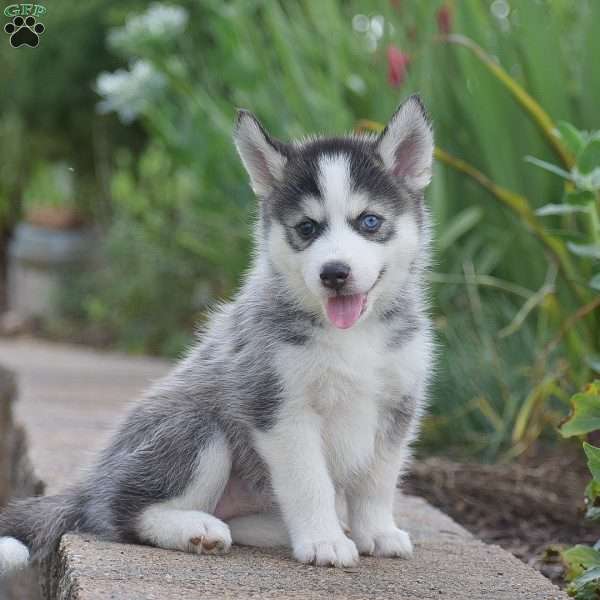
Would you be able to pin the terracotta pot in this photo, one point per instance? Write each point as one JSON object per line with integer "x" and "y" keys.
{"x": 54, "y": 217}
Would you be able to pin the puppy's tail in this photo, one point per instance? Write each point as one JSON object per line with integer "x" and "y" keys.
{"x": 31, "y": 528}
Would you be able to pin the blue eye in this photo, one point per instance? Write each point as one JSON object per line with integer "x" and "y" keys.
{"x": 306, "y": 229}
{"x": 370, "y": 223}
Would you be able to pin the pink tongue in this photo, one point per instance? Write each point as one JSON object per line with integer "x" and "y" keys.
{"x": 344, "y": 311}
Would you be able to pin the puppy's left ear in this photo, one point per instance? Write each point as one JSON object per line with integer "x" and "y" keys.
{"x": 263, "y": 157}
{"x": 406, "y": 144}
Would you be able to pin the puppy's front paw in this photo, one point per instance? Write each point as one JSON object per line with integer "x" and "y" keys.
{"x": 392, "y": 543}
{"x": 340, "y": 552}
{"x": 208, "y": 536}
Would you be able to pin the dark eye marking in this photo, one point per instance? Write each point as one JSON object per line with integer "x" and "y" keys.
{"x": 307, "y": 229}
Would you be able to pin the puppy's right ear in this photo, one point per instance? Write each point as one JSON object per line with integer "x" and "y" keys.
{"x": 263, "y": 157}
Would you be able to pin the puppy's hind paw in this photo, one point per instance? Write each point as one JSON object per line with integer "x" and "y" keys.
{"x": 340, "y": 552}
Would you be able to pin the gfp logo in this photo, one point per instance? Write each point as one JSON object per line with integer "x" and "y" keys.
{"x": 24, "y": 28}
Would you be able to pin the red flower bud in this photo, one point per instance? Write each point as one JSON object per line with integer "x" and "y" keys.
{"x": 397, "y": 66}
{"x": 444, "y": 19}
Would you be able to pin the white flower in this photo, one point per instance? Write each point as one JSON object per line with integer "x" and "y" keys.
{"x": 129, "y": 92}
{"x": 160, "y": 21}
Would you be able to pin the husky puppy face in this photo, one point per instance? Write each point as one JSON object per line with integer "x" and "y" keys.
{"x": 342, "y": 217}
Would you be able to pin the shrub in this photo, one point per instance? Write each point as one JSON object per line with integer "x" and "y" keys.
{"x": 583, "y": 562}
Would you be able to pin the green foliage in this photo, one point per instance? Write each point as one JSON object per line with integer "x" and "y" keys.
{"x": 187, "y": 107}
{"x": 585, "y": 412}
{"x": 171, "y": 239}
{"x": 48, "y": 105}
{"x": 579, "y": 559}
{"x": 583, "y": 562}
{"x": 574, "y": 303}
{"x": 516, "y": 249}
{"x": 593, "y": 456}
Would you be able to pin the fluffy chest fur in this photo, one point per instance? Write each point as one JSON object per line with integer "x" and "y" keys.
{"x": 353, "y": 382}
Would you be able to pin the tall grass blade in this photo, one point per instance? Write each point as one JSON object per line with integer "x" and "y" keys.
{"x": 539, "y": 115}
{"x": 520, "y": 206}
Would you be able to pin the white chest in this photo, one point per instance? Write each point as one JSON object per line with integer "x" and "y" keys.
{"x": 341, "y": 378}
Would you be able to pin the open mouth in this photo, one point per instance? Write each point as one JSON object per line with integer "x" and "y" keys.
{"x": 343, "y": 311}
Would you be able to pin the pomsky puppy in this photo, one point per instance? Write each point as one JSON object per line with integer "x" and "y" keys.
{"x": 290, "y": 421}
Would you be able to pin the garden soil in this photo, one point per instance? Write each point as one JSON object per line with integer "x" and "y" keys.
{"x": 533, "y": 507}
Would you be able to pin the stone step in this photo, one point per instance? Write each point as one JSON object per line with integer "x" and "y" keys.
{"x": 71, "y": 397}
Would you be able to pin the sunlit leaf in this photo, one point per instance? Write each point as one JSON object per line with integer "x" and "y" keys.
{"x": 585, "y": 250}
{"x": 559, "y": 209}
{"x": 587, "y": 181}
{"x": 585, "y": 412}
{"x": 579, "y": 559}
{"x": 595, "y": 282}
{"x": 548, "y": 167}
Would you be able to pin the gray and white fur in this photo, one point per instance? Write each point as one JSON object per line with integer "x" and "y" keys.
{"x": 290, "y": 421}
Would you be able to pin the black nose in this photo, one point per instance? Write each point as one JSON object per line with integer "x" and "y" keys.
{"x": 334, "y": 275}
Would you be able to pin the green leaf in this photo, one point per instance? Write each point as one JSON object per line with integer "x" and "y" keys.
{"x": 587, "y": 181}
{"x": 593, "y": 456}
{"x": 585, "y": 250}
{"x": 586, "y": 586}
{"x": 580, "y": 197}
{"x": 595, "y": 282}
{"x": 585, "y": 412}
{"x": 463, "y": 222}
{"x": 589, "y": 159}
{"x": 559, "y": 209}
{"x": 592, "y": 513}
{"x": 548, "y": 167}
{"x": 579, "y": 559}
{"x": 571, "y": 137}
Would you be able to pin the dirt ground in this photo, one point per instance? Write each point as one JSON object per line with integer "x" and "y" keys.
{"x": 532, "y": 508}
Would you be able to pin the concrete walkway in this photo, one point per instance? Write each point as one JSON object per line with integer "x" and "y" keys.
{"x": 69, "y": 400}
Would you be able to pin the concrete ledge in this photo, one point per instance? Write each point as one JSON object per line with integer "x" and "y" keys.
{"x": 69, "y": 400}
{"x": 448, "y": 563}
{"x": 16, "y": 480}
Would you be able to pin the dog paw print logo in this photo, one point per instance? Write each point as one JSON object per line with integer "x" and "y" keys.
{"x": 24, "y": 32}
{"x": 25, "y": 28}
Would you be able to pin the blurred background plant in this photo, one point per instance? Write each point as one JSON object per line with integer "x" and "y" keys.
{"x": 49, "y": 198}
{"x": 146, "y": 127}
